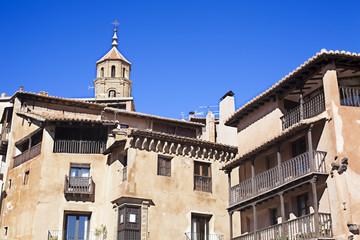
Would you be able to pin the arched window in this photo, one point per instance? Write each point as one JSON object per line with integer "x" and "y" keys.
{"x": 112, "y": 71}
{"x": 123, "y": 72}
{"x": 112, "y": 94}
{"x": 102, "y": 72}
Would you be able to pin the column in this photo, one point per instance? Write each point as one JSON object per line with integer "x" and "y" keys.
{"x": 316, "y": 208}
{"x": 253, "y": 175}
{"x": 278, "y": 156}
{"x": 312, "y": 164}
{"x": 229, "y": 182}
{"x": 255, "y": 221}
{"x": 283, "y": 219}
{"x": 231, "y": 225}
{"x": 301, "y": 105}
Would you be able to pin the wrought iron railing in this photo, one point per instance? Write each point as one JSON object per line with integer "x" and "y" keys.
{"x": 73, "y": 235}
{"x": 309, "y": 109}
{"x": 202, "y": 236}
{"x": 202, "y": 183}
{"x": 350, "y": 96}
{"x": 27, "y": 155}
{"x": 300, "y": 228}
{"x": 286, "y": 172}
{"x": 79, "y": 146}
{"x": 78, "y": 185}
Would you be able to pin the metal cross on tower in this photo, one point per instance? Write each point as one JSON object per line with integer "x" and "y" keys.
{"x": 116, "y": 24}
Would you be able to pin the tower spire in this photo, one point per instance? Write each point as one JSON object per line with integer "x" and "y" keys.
{"x": 114, "y": 38}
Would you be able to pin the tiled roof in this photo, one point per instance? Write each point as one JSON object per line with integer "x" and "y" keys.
{"x": 264, "y": 145}
{"x": 183, "y": 140}
{"x": 51, "y": 117}
{"x": 113, "y": 54}
{"x": 144, "y": 115}
{"x": 66, "y": 101}
{"x": 324, "y": 53}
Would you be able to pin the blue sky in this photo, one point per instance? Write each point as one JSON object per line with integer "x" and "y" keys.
{"x": 184, "y": 54}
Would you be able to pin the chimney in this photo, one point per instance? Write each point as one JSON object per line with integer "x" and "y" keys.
{"x": 191, "y": 115}
{"x": 3, "y": 95}
{"x": 21, "y": 88}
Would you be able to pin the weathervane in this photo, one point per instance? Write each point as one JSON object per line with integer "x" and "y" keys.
{"x": 114, "y": 39}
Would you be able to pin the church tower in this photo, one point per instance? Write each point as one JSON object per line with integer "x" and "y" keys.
{"x": 113, "y": 73}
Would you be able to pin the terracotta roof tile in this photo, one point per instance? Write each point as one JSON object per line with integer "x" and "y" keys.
{"x": 113, "y": 54}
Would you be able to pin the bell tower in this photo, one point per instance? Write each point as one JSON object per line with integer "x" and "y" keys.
{"x": 113, "y": 73}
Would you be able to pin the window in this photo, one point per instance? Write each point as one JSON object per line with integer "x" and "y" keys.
{"x": 129, "y": 223}
{"x": 164, "y": 166}
{"x": 102, "y": 72}
{"x": 26, "y": 177}
{"x": 202, "y": 176}
{"x": 298, "y": 147}
{"x": 123, "y": 160}
{"x": 112, "y": 71}
{"x": 10, "y": 184}
{"x": 79, "y": 170}
{"x": 77, "y": 226}
{"x": 123, "y": 73}
{"x": 112, "y": 94}
{"x": 303, "y": 207}
{"x": 124, "y": 126}
{"x": 273, "y": 216}
{"x": 6, "y": 230}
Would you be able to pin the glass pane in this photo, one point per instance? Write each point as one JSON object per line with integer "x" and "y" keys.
{"x": 74, "y": 172}
{"x": 205, "y": 170}
{"x": 85, "y": 172}
{"x": 83, "y": 227}
{"x": 70, "y": 227}
{"x": 197, "y": 168}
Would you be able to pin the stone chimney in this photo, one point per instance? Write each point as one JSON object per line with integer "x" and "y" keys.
{"x": 225, "y": 134}
{"x": 3, "y": 95}
{"x": 21, "y": 88}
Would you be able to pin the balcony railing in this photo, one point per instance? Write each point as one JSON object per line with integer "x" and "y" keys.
{"x": 5, "y": 133}
{"x": 286, "y": 172}
{"x": 27, "y": 155}
{"x": 73, "y": 235}
{"x": 202, "y": 183}
{"x": 299, "y": 228}
{"x": 202, "y": 236}
{"x": 79, "y": 146}
{"x": 78, "y": 185}
{"x": 350, "y": 96}
{"x": 309, "y": 109}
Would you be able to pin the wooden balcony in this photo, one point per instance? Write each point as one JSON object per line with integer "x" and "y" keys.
{"x": 201, "y": 236}
{"x": 305, "y": 110}
{"x": 4, "y": 139}
{"x": 349, "y": 96}
{"x": 287, "y": 172}
{"x": 295, "y": 229}
{"x": 79, "y": 146}
{"x": 27, "y": 155}
{"x": 78, "y": 185}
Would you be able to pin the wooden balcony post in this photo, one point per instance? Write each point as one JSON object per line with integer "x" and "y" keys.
{"x": 253, "y": 175}
{"x": 283, "y": 219}
{"x": 278, "y": 155}
{"x": 255, "y": 221}
{"x": 229, "y": 182}
{"x": 310, "y": 149}
{"x": 29, "y": 148}
{"x": 231, "y": 225}
{"x": 301, "y": 105}
{"x": 316, "y": 208}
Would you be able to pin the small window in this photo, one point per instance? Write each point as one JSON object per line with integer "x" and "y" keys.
{"x": 26, "y": 177}
{"x": 102, "y": 72}
{"x": 123, "y": 72}
{"x": 164, "y": 166}
{"x": 202, "y": 176}
{"x": 112, "y": 71}
{"x": 10, "y": 183}
{"x": 6, "y": 230}
{"x": 112, "y": 94}
{"x": 124, "y": 126}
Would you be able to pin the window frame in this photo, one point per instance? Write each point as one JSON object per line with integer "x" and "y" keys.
{"x": 201, "y": 176}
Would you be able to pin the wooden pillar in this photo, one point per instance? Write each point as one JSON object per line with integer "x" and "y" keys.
{"x": 316, "y": 208}
{"x": 29, "y": 148}
{"x": 255, "y": 221}
{"x": 278, "y": 156}
{"x": 229, "y": 182}
{"x": 301, "y": 105}
{"x": 283, "y": 219}
{"x": 310, "y": 149}
{"x": 253, "y": 175}
{"x": 231, "y": 225}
